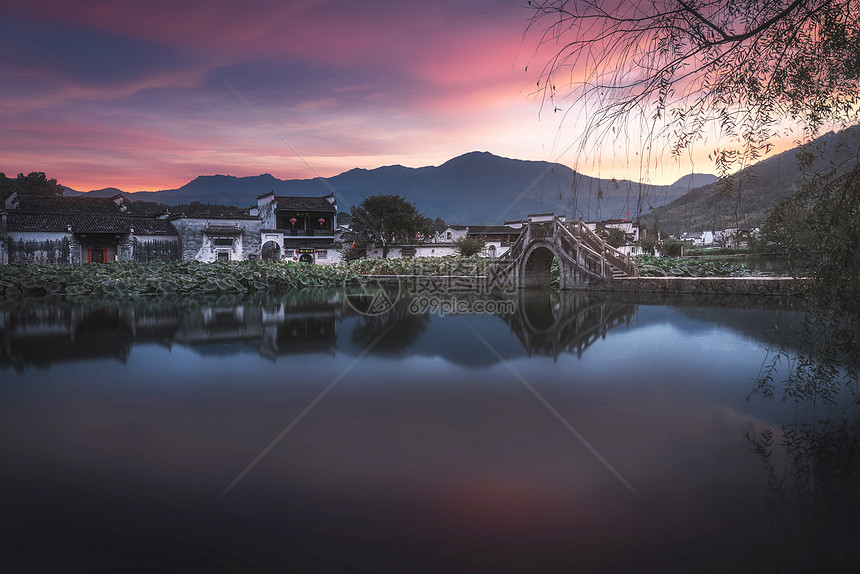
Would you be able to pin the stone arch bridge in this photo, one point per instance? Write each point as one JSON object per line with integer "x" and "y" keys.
{"x": 584, "y": 258}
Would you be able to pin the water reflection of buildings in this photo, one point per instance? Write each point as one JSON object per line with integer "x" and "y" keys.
{"x": 309, "y": 328}
{"x": 40, "y": 336}
{"x": 275, "y": 330}
{"x": 219, "y": 326}
{"x": 550, "y": 323}
{"x": 545, "y": 324}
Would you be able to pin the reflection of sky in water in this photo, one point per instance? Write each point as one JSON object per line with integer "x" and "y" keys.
{"x": 435, "y": 449}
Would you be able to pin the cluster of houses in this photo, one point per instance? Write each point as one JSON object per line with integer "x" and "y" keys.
{"x": 733, "y": 237}
{"x": 59, "y": 229}
{"x": 80, "y": 229}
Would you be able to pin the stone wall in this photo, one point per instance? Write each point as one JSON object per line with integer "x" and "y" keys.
{"x": 195, "y": 245}
{"x": 155, "y": 248}
{"x": 40, "y": 248}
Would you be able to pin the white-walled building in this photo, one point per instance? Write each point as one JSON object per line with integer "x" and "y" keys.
{"x": 632, "y": 232}
{"x": 211, "y": 239}
{"x": 298, "y": 228}
{"x": 700, "y": 238}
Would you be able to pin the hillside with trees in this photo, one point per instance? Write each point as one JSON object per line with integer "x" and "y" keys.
{"x": 746, "y": 198}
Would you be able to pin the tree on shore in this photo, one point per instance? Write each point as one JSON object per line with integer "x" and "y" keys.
{"x": 684, "y": 67}
{"x": 386, "y": 219}
{"x": 678, "y": 72}
{"x": 468, "y": 246}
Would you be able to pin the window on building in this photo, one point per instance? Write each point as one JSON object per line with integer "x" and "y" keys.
{"x": 322, "y": 253}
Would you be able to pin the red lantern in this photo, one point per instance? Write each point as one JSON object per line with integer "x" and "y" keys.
{"x": 293, "y": 221}
{"x": 321, "y": 221}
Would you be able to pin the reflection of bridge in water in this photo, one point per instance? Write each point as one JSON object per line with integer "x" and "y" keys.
{"x": 552, "y": 323}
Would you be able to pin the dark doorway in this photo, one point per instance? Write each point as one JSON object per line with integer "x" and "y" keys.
{"x": 97, "y": 255}
{"x": 271, "y": 251}
{"x": 306, "y": 258}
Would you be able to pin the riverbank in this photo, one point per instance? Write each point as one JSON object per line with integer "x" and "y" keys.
{"x": 767, "y": 286}
{"x": 427, "y": 275}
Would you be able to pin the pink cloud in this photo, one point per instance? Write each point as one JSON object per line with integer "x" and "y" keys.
{"x": 347, "y": 84}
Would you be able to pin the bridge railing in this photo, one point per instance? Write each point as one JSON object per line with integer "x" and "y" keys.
{"x": 589, "y": 249}
{"x": 517, "y": 247}
{"x": 620, "y": 260}
{"x": 584, "y": 254}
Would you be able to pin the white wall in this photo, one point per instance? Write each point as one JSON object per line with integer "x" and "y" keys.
{"x": 428, "y": 250}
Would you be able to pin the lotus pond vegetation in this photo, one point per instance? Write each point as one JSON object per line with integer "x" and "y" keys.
{"x": 132, "y": 280}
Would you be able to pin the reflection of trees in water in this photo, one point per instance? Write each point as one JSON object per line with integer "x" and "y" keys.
{"x": 813, "y": 478}
{"x": 405, "y": 327}
{"x": 812, "y": 464}
{"x": 550, "y": 322}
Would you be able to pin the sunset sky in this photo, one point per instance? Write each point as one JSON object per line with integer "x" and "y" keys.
{"x": 143, "y": 95}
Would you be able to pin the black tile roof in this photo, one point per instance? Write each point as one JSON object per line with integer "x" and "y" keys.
{"x": 493, "y": 229}
{"x": 88, "y": 223}
{"x": 67, "y": 205}
{"x": 240, "y": 217}
{"x": 223, "y": 229}
{"x": 304, "y": 204}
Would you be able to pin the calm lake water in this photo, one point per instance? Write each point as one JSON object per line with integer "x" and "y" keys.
{"x": 579, "y": 433}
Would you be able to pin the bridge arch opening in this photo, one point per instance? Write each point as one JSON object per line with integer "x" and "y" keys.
{"x": 539, "y": 308}
{"x": 537, "y": 270}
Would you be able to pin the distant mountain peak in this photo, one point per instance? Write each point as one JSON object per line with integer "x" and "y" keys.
{"x": 473, "y": 156}
{"x": 469, "y": 188}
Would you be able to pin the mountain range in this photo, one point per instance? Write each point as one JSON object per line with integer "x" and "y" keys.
{"x": 482, "y": 188}
{"x": 474, "y": 188}
{"x": 745, "y": 199}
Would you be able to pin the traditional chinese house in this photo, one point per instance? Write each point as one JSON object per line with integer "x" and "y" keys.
{"x": 501, "y": 234}
{"x": 301, "y": 228}
{"x": 58, "y": 229}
